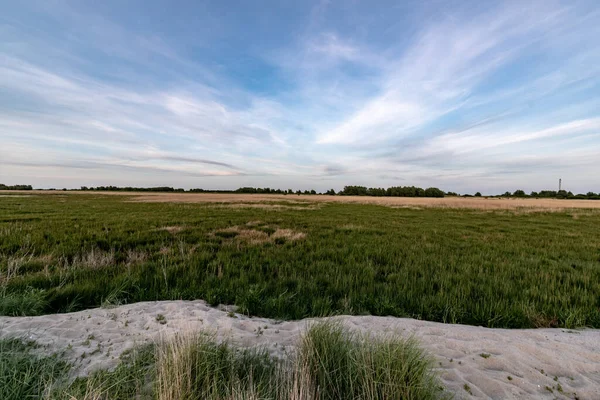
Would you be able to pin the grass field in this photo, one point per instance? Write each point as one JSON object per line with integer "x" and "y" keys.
{"x": 293, "y": 257}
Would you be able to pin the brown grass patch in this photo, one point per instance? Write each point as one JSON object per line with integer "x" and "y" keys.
{"x": 241, "y": 234}
{"x": 172, "y": 229}
{"x": 245, "y": 199}
{"x": 94, "y": 259}
{"x": 288, "y": 234}
{"x": 136, "y": 257}
{"x": 267, "y": 206}
{"x": 481, "y": 203}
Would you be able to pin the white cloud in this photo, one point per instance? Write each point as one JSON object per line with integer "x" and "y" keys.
{"x": 439, "y": 72}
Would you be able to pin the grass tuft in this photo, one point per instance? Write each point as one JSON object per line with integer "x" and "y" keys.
{"x": 339, "y": 364}
{"x": 25, "y": 374}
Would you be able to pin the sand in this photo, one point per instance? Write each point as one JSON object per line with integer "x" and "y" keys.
{"x": 247, "y": 200}
{"x": 531, "y": 357}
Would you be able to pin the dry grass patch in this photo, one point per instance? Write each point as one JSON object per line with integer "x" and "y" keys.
{"x": 242, "y": 234}
{"x": 172, "y": 229}
{"x": 266, "y": 206}
{"x": 259, "y": 200}
{"x": 93, "y": 259}
{"x": 165, "y": 250}
{"x": 136, "y": 257}
{"x": 288, "y": 234}
{"x": 12, "y": 267}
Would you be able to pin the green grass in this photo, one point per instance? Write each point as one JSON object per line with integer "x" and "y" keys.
{"x": 197, "y": 367}
{"x": 496, "y": 269}
{"x": 24, "y": 374}
{"x": 343, "y": 365}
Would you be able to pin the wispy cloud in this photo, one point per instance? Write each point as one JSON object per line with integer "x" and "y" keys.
{"x": 440, "y": 71}
{"x": 461, "y": 95}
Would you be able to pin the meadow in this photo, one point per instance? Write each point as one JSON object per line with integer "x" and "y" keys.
{"x": 289, "y": 257}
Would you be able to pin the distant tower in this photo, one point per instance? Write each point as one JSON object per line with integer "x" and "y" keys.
{"x": 559, "y": 184}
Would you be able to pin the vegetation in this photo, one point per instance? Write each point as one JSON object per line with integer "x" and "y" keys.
{"x": 26, "y": 375}
{"x": 330, "y": 363}
{"x": 561, "y": 194}
{"x": 342, "y": 365}
{"x": 394, "y": 191}
{"x": 296, "y": 259}
{"x": 15, "y": 187}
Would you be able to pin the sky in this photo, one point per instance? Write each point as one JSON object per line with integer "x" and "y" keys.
{"x": 466, "y": 96}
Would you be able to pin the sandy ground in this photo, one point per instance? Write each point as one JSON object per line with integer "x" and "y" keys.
{"x": 446, "y": 202}
{"x": 95, "y": 338}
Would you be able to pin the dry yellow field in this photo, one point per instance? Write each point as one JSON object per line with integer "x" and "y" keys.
{"x": 446, "y": 202}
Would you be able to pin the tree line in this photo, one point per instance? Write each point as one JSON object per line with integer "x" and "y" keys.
{"x": 15, "y": 187}
{"x": 394, "y": 191}
{"x": 352, "y": 190}
{"x": 552, "y": 194}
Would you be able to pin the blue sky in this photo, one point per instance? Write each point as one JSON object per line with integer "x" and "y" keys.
{"x": 465, "y": 96}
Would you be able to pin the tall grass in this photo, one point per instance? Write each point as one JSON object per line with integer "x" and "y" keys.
{"x": 496, "y": 269}
{"x": 330, "y": 363}
{"x": 24, "y": 374}
{"x": 334, "y": 363}
{"x": 197, "y": 367}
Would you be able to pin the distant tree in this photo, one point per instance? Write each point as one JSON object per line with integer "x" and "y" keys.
{"x": 433, "y": 192}
{"x": 478, "y": 194}
{"x": 354, "y": 191}
{"x": 548, "y": 193}
{"x": 506, "y": 194}
{"x": 376, "y": 192}
{"x": 534, "y": 194}
{"x": 313, "y": 191}
{"x": 15, "y": 187}
{"x": 330, "y": 192}
{"x": 519, "y": 193}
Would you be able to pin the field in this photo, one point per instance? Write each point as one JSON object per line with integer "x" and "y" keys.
{"x": 490, "y": 262}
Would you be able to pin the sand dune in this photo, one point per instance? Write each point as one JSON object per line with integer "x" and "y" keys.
{"x": 537, "y": 360}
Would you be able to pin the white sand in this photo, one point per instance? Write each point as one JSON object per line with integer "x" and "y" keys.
{"x": 571, "y": 356}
